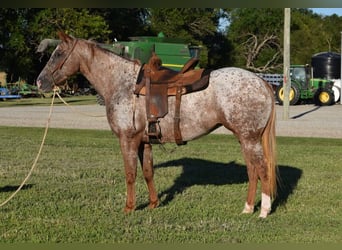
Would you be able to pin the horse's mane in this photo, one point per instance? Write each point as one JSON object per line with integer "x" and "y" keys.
{"x": 46, "y": 43}
{"x": 111, "y": 53}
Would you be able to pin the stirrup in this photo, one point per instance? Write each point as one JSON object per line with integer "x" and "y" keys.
{"x": 153, "y": 132}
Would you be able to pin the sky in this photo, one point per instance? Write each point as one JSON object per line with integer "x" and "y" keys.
{"x": 328, "y": 11}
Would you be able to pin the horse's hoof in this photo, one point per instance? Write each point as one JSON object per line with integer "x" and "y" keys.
{"x": 128, "y": 210}
{"x": 248, "y": 209}
{"x": 153, "y": 204}
{"x": 264, "y": 212}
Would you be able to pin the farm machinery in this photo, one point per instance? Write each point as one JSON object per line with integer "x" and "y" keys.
{"x": 173, "y": 52}
{"x": 5, "y": 94}
{"x": 305, "y": 87}
{"x": 16, "y": 90}
{"x": 319, "y": 82}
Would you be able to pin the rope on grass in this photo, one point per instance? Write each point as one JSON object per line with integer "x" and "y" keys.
{"x": 55, "y": 92}
{"x": 38, "y": 154}
{"x": 77, "y": 111}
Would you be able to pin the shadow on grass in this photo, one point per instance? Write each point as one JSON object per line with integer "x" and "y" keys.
{"x": 14, "y": 188}
{"x": 204, "y": 172}
{"x": 288, "y": 181}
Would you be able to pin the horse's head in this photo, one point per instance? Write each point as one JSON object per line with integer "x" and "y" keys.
{"x": 62, "y": 64}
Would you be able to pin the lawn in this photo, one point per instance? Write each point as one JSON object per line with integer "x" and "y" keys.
{"x": 77, "y": 192}
{"x": 72, "y": 100}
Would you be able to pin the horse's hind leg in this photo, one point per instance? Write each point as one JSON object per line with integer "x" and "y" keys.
{"x": 256, "y": 169}
{"x": 252, "y": 186}
{"x": 146, "y": 160}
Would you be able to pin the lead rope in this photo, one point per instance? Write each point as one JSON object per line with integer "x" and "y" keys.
{"x": 38, "y": 155}
{"x": 77, "y": 111}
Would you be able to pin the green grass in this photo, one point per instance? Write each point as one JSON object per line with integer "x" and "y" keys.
{"x": 77, "y": 192}
{"x": 72, "y": 100}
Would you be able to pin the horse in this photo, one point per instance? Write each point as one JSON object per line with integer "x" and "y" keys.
{"x": 235, "y": 98}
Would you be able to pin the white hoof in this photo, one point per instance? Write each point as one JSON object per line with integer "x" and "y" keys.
{"x": 265, "y": 205}
{"x": 264, "y": 212}
{"x": 248, "y": 209}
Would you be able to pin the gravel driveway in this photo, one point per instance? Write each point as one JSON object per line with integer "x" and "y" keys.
{"x": 305, "y": 120}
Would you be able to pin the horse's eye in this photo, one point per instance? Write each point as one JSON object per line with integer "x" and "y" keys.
{"x": 58, "y": 53}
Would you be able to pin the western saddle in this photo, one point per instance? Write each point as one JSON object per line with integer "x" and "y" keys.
{"x": 157, "y": 83}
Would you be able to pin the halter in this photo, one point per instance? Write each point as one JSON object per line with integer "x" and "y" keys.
{"x": 60, "y": 65}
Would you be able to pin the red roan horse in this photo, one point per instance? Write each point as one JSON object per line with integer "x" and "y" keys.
{"x": 235, "y": 98}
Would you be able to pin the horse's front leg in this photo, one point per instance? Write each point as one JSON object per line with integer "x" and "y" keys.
{"x": 146, "y": 160}
{"x": 129, "y": 150}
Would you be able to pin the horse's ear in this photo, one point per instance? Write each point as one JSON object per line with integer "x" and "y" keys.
{"x": 64, "y": 37}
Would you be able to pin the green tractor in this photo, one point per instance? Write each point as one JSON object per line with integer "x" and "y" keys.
{"x": 305, "y": 87}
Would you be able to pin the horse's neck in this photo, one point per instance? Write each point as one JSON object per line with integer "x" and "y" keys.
{"x": 108, "y": 73}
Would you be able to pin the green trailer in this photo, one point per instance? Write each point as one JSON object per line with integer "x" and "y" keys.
{"x": 173, "y": 52}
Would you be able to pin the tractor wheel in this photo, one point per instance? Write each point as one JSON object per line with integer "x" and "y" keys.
{"x": 337, "y": 92}
{"x": 293, "y": 98}
{"x": 324, "y": 97}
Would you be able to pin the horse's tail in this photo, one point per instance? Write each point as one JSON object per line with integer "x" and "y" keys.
{"x": 269, "y": 147}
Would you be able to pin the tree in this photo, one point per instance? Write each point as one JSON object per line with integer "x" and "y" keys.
{"x": 312, "y": 33}
{"x": 189, "y": 24}
{"x": 255, "y": 35}
{"x": 15, "y": 57}
{"x": 332, "y": 27}
{"x": 262, "y": 53}
{"x": 306, "y": 29}
{"x": 124, "y": 23}
{"x": 194, "y": 25}
{"x": 76, "y": 22}
{"x": 252, "y": 40}
{"x": 23, "y": 29}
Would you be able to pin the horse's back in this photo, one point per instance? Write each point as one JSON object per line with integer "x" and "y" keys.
{"x": 238, "y": 82}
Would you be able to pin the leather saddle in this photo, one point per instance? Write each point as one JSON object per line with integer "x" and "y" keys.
{"x": 157, "y": 83}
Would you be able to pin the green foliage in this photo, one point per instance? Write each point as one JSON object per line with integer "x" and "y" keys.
{"x": 190, "y": 24}
{"x": 256, "y": 35}
{"x": 124, "y": 23}
{"x": 21, "y": 31}
{"x": 194, "y": 25}
{"x": 76, "y": 22}
{"x": 332, "y": 26}
{"x": 310, "y": 34}
{"x": 72, "y": 100}
{"x": 305, "y": 27}
{"x": 256, "y": 21}
{"x": 15, "y": 38}
{"x": 77, "y": 192}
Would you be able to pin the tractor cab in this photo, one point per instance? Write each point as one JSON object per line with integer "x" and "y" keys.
{"x": 301, "y": 74}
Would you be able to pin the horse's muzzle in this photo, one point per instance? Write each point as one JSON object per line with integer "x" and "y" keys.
{"x": 43, "y": 84}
